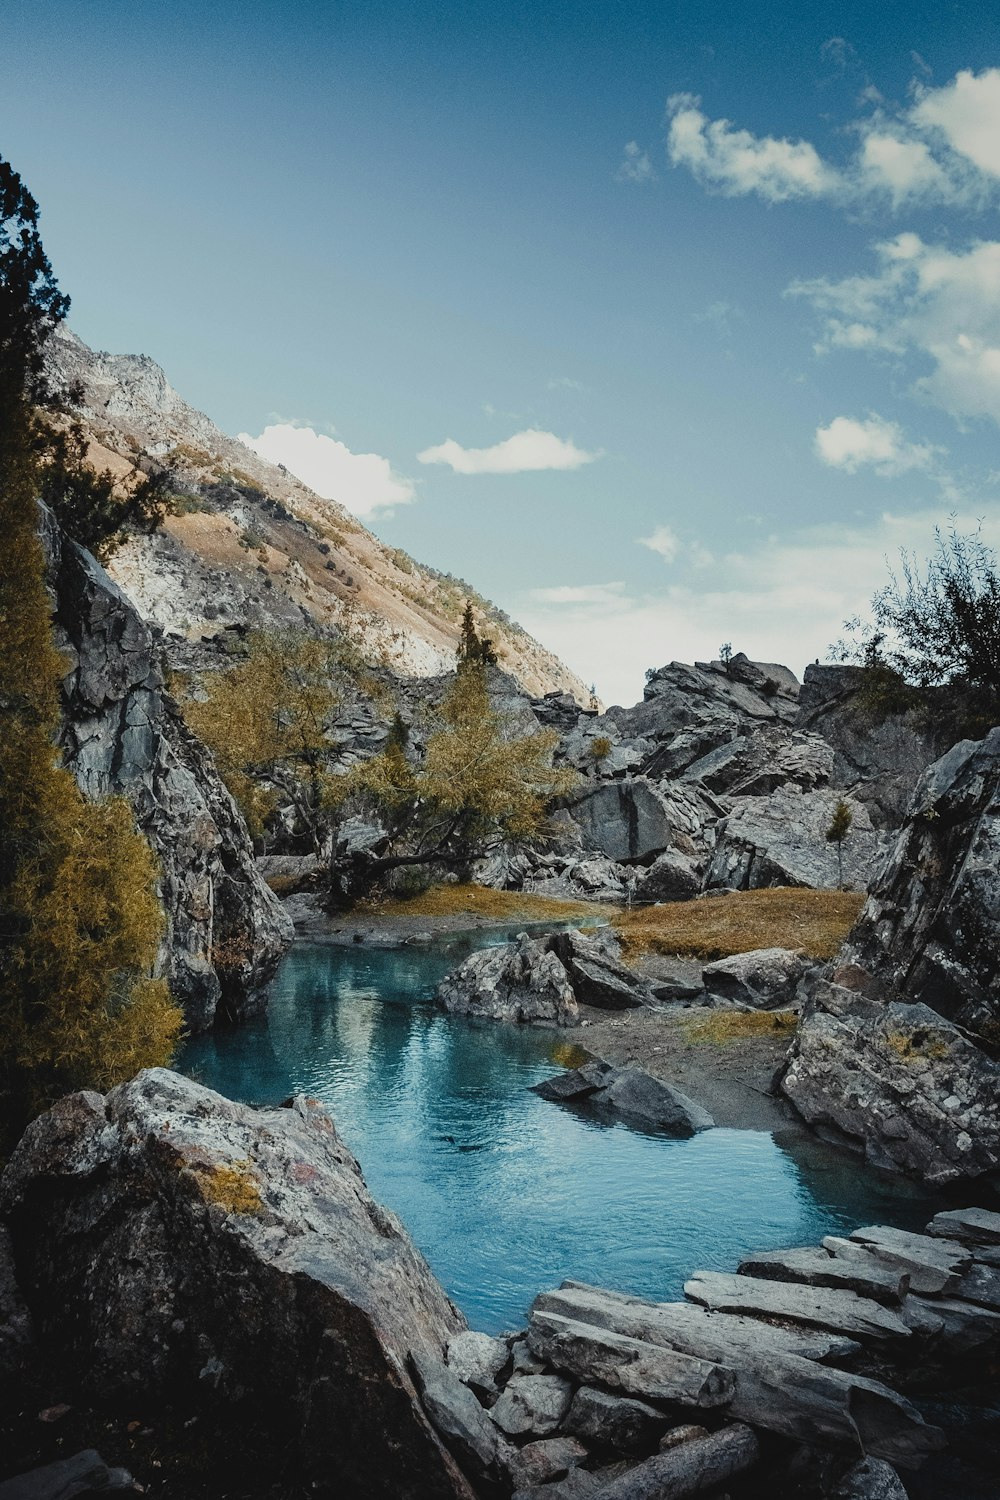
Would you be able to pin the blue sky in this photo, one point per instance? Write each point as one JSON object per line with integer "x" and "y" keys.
{"x": 650, "y": 380}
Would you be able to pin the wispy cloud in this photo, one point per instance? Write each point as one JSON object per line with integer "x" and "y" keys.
{"x": 524, "y": 452}
{"x": 875, "y": 443}
{"x": 929, "y": 301}
{"x": 589, "y": 594}
{"x": 362, "y": 482}
{"x": 735, "y": 162}
{"x": 663, "y": 541}
{"x": 635, "y": 165}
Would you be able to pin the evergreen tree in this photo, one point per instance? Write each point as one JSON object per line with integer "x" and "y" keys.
{"x": 840, "y": 827}
{"x": 80, "y": 923}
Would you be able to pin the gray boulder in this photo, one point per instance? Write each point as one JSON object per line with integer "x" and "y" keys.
{"x": 928, "y": 932}
{"x": 629, "y": 1094}
{"x": 532, "y": 1404}
{"x": 122, "y": 734}
{"x": 619, "y": 1422}
{"x": 174, "y": 1245}
{"x": 520, "y": 981}
{"x": 593, "y": 962}
{"x": 907, "y": 1087}
{"x": 672, "y": 876}
{"x": 781, "y": 840}
{"x": 633, "y": 820}
{"x": 871, "y": 1479}
{"x": 458, "y": 1417}
{"x": 764, "y": 979}
{"x": 477, "y": 1359}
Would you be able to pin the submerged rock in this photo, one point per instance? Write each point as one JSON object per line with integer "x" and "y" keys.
{"x": 176, "y": 1246}
{"x": 629, "y": 1093}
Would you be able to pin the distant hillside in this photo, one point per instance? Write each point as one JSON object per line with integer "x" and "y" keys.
{"x": 255, "y": 546}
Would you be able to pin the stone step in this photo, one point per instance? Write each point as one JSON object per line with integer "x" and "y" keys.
{"x": 597, "y": 1356}
{"x": 686, "y": 1326}
{"x": 929, "y": 1278}
{"x": 970, "y": 1226}
{"x": 817, "y": 1267}
{"x": 817, "y": 1307}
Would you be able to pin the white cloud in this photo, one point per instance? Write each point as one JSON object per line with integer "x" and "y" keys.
{"x": 362, "y": 482}
{"x": 736, "y": 162}
{"x": 904, "y": 169}
{"x": 664, "y": 541}
{"x": 590, "y": 594}
{"x": 636, "y": 165}
{"x": 852, "y": 445}
{"x": 943, "y": 149}
{"x": 929, "y": 301}
{"x": 525, "y": 451}
{"x": 784, "y": 600}
{"x": 967, "y": 113}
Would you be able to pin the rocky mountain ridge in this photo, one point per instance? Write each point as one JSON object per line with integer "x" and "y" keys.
{"x": 253, "y": 545}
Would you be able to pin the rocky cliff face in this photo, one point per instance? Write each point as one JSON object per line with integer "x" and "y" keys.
{"x": 122, "y": 734}
{"x": 256, "y": 547}
{"x": 900, "y": 1052}
{"x": 930, "y": 929}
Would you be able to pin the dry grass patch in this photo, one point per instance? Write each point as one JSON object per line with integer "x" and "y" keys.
{"x": 714, "y": 927}
{"x": 738, "y": 1026}
{"x": 482, "y": 901}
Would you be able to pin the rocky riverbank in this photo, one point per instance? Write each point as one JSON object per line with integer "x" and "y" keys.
{"x": 179, "y": 1267}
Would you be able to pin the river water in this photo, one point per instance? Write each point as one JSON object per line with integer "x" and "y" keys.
{"x": 505, "y": 1193}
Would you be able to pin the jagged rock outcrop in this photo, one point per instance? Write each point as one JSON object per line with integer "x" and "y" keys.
{"x": 543, "y": 980}
{"x": 177, "y": 1247}
{"x": 929, "y": 930}
{"x": 878, "y": 757}
{"x": 122, "y": 733}
{"x": 633, "y": 820}
{"x": 781, "y": 840}
{"x": 899, "y": 1082}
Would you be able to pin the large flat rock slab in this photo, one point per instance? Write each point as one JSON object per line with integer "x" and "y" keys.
{"x": 818, "y": 1307}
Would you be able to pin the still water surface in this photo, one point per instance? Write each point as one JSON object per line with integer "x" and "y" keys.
{"x": 505, "y": 1193}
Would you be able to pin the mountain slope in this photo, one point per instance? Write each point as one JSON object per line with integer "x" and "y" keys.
{"x": 253, "y": 545}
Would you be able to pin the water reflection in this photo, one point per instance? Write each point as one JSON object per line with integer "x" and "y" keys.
{"x": 505, "y": 1193}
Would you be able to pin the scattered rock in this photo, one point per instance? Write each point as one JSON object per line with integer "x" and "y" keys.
{"x": 671, "y": 877}
{"x": 477, "y": 1360}
{"x": 546, "y": 1460}
{"x": 599, "y": 978}
{"x": 460, "y": 1420}
{"x": 871, "y": 1479}
{"x": 764, "y": 979}
{"x": 532, "y": 1403}
{"x": 619, "y": 1422}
